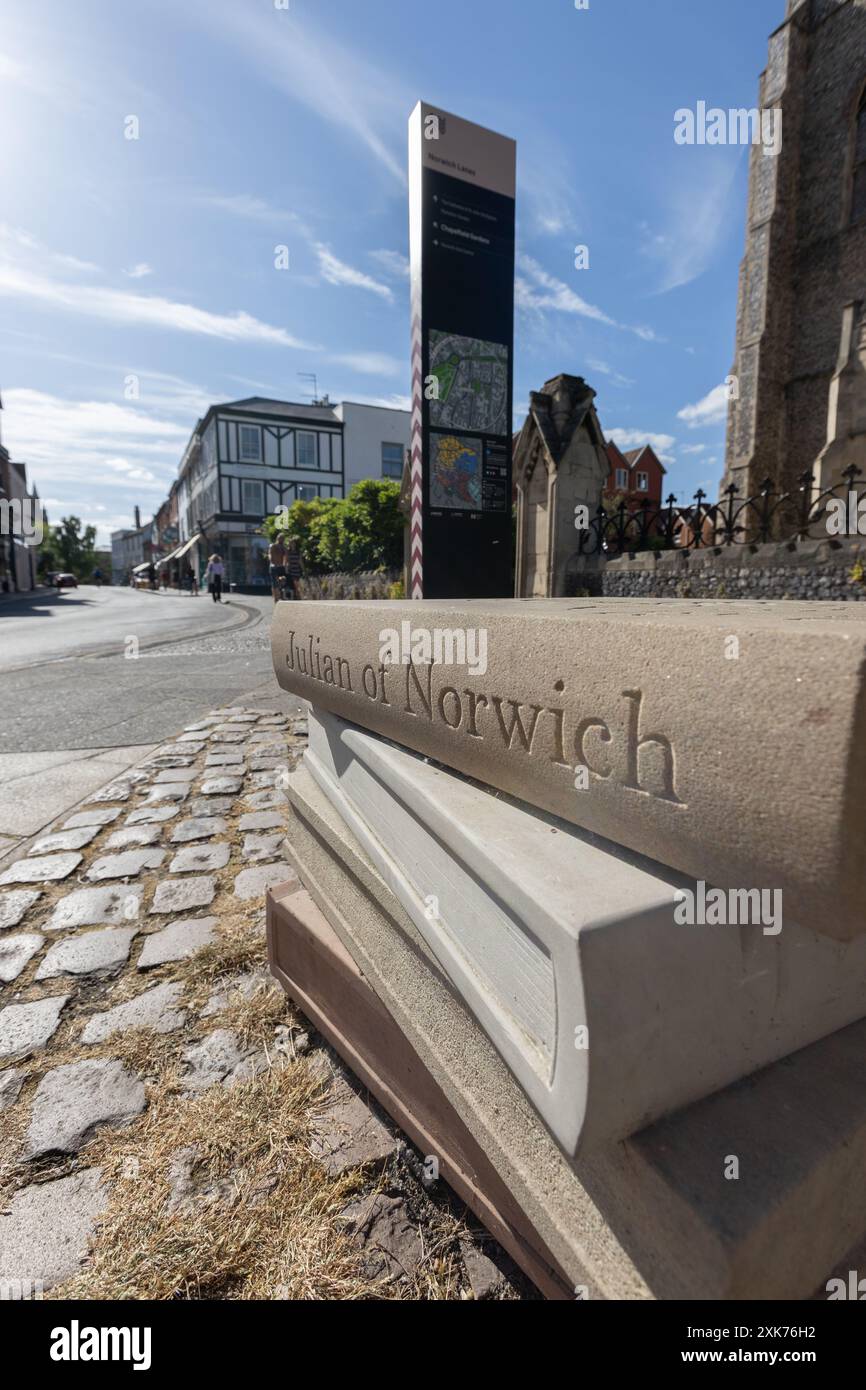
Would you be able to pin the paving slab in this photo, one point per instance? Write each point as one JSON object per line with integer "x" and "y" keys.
{"x": 48, "y": 1228}
{"x": 14, "y": 905}
{"x": 230, "y": 757}
{"x": 272, "y": 779}
{"x": 262, "y": 820}
{"x": 88, "y": 952}
{"x": 183, "y": 894}
{"x": 11, "y": 1082}
{"x": 211, "y": 806}
{"x": 348, "y": 1134}
{"x": 15, "y": 952}
{"x": 265, "y": 764}
{"x": 257, "y": 848}
{"x": 253, "y": 883}
{"x": 485, "y": 1278}
{"x": 76, "y": 838}
{"x": 152, "y": 815}
{"x": 125, "y": 865}
{"x": 212, "y": 1060}
{"x": 115, "y": 791}
{"x": 36, "y": 788}
{"x": 198, "y": 828}
{"x": 24, "y": 1027}
{"x": 47, "y": 869}
{"x": 196, "y": 858}
{"x": 391, "y": 1240}
{"x": 96, "y": 815}
{"x": 175, "y": 775}
{"x": 177, "y": 941}
{"x": 169, "y": 791}
{"x": 130, "y": 835}
{"x": 241, "y": 986}
{"x": 221, "y": 786}
{"x": 156, "y": 1009}
{"x": 266, "y": 800}
{"x": 73, "y": 1101}
{"x": 218, "y": 739}
{"x": 93, "y": 907}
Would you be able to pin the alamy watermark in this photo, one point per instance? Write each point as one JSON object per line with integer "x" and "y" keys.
{"x": 732, "y": 907}
{"x": 847, "y": 516}
{"x": 438, "y": 646}
{"x": 22, "y": 518}
{"x": 738, "y": 126}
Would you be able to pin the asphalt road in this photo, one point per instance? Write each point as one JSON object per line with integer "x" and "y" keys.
{"x": 79, "y": 700}
{"x": 99, "y": 668}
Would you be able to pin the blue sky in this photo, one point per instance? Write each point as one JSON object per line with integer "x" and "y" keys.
{"x": 261, "y": 127}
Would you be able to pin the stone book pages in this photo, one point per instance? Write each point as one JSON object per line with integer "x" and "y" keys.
{"x": 568, "y": 953}
{"x": 723, "y": 739}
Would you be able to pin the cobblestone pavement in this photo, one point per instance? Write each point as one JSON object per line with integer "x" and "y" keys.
{"x": 172, "y": 1127}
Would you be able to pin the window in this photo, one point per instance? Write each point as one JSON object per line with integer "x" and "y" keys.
{"x": 253, "y": 498}
{"x": 622, "y": 477}
{"x": 858, "y": 193}
{"x": 307, "y": 453}
{"x": 306, "y": 492}
{"x": 643, "y": 482}
{"x": 392, "y": 460}
{"x": 251, "y": 444}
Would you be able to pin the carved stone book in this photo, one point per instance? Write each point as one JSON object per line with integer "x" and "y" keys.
{"x": 723, "y": 739}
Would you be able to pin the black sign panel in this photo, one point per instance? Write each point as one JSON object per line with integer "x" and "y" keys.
{"x": 463, "y": 330}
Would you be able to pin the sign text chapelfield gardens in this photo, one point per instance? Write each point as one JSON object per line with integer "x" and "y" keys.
{"x": 607, "y": 744}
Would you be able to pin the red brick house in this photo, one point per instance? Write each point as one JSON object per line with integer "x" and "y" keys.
{"x": 637, "y": 476}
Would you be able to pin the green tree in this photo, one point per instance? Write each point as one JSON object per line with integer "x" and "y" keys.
{"x": 69, "y": 547}
{"x": 363, "y": 531}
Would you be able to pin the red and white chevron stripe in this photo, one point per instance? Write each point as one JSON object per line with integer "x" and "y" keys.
{"x": 416, "y": 471}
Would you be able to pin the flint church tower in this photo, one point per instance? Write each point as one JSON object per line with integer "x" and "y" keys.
{"x": 801, "y": 314}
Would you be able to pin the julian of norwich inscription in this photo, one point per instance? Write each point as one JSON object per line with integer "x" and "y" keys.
{"x": 617, "y": 754}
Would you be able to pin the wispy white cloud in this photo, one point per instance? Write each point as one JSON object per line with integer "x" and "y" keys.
{"x": 693, "y": 448}
{"x": 139, "y": 271}
{"x": 252, "y": 208}
{"x": 317, "y": 71}
{"x": 696, "y": 222}
{"x": 372, "y": 363}
{"x": 392, "y": 262}
{"x": 711, "y": 410}
{"x": 16, "y": 238}
{"x": 337, "y": 272}
{"x": 120, "y": 306}
{"x": 536, "y": 290}
{"x": 615, "y": 378}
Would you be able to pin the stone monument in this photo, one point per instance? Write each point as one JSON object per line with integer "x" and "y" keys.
{"x": 559, "y": 464}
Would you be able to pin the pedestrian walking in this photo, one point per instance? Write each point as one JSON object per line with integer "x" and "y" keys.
{"x": 214, "y": 578}
{"x": 277, "y": 554}
{"x": 294, "y": 567}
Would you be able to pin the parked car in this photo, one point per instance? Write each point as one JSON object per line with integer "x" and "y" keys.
{"x": 65, "y": 581}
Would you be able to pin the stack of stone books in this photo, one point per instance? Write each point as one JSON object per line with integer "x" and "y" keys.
{"x": 584, "y": 903}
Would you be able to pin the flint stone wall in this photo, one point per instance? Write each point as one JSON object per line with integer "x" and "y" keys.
{"x": 806, "y": 570}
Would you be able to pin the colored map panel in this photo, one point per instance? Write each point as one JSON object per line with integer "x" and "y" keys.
{"x": 455, "y": 472}
{"x": 472, "y": 381}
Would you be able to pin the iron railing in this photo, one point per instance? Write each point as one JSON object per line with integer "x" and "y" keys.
{"x": 767, "y": 516}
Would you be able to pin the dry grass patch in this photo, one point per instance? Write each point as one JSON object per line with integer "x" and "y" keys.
{"x": 264, "y": 1223}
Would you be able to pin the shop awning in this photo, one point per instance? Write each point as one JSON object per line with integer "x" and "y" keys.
{"x": 139, "y": 569}
{"x": 187, "y": 545}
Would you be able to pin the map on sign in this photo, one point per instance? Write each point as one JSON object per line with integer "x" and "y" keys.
{"x": 455, "y": 472}
{"x": 473, "y": 383}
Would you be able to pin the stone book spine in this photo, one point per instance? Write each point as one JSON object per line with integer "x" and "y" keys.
{"x": 726, "y": 741}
